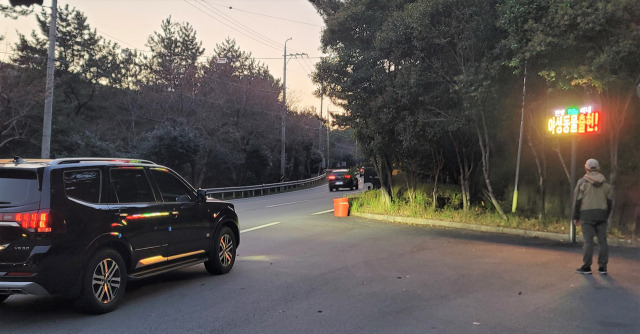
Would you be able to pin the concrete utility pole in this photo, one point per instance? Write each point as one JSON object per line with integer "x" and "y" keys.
{"x": 284, "y": 109}
{"x": 48, "y": 102}
{"x": 320, "y": 129}
{"x": 284, "y": 112}
{"x": 328, "y": 129}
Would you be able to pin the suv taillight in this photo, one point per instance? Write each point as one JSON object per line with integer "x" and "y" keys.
{"x": 332, "y": 177}
{"x": 347, "y": 176}
{"x": 34, "y": 221}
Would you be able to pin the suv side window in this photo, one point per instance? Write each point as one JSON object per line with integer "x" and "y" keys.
{"x": 171, "y": 188}
{"x": 83, "y": 185}
{"x": 131, "y": 185}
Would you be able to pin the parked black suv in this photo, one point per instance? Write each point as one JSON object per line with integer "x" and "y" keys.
{"x": 83, "y": 227}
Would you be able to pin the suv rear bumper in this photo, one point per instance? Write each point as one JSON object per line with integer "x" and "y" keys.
{"x": 22, "y": 288}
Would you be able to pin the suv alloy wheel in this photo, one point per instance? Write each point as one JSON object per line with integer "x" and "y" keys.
{"x": 224, "y": 253}
{"x": 104, "y": 282}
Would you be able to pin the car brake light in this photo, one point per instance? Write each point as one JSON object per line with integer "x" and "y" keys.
{"x": 332, "y": 177}
{"x": 347, "y": 176}
{"x": 36, "y": 221}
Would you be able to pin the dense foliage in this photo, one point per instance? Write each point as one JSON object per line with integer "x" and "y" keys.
{"x": 434, "y": 88}
{"x": 213, "y": 117}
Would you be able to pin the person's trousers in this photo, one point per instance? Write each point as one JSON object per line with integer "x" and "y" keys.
{"x": 597, "y": 229}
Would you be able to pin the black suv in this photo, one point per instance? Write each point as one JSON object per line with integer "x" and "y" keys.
{"x": 83, "y": 227}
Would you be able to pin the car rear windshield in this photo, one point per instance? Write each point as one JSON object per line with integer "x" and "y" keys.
{"x": 18, "y": 187}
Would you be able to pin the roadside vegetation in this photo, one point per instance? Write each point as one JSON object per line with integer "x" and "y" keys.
{"x": 464, "y": 93}
{"x": 418, "y": 204}
{"x": 212, "y": 115}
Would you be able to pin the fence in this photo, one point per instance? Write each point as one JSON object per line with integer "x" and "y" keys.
{"x": 264, "y": 189}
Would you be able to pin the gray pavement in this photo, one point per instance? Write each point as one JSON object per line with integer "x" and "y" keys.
{"x": 302, "y": 270}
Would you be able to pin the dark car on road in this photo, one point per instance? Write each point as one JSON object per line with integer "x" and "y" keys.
{"x": 84, "y": 227}
{"x": 342, "y": 178}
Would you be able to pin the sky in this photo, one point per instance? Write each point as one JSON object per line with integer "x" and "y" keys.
{"x": 260, "y": 27}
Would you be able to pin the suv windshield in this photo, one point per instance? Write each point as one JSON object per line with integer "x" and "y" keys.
{"x": 18, "y": 187}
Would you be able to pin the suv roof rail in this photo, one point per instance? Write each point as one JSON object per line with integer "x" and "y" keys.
{"x": 19, "y": 160}
{"x": 121, "y": 160}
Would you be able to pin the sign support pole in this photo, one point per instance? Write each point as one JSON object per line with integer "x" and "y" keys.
{"x": 572, "y": 227}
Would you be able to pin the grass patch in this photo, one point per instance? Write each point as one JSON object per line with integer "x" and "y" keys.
{"x": 419, "y": 204}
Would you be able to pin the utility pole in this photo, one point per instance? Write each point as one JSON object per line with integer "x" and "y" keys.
{"x": 320, "y": 129}
{"x": 284, "y": 112}
{"x": 48, "y": 102}
{"x": 328, "y": 127}
{"x": 284, "y": 109}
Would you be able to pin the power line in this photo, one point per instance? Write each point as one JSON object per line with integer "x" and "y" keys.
{"x": 269, "y": 16}
{"x": 123, "y": 42}
{"x": 241, "y": 25}
{"x": 251, "y": 37}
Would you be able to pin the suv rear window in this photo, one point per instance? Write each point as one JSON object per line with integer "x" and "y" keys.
{"x": 18, "y": 187}
{"x": 83, "y": 185}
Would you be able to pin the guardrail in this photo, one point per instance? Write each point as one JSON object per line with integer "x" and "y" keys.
{"x": 264, "y": 189}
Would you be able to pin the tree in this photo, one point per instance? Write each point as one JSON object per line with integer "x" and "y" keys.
{"x": 603, "y": 39}
{"x": 14, "y": 11}
{"x": 20, "y": 93}
{"x": 246, "y": 99}
{"x": 358, "y": 78}
{"x": 175, "y": 52}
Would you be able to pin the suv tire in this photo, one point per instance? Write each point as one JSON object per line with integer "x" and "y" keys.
{"x": 104, "y": 282}
{"x": 223, "y": 255}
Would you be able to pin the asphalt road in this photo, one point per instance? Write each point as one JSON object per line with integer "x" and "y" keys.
{"x": 302, "y": 270}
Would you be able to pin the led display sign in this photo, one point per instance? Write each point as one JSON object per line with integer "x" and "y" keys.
{"x": 574, "y": 121}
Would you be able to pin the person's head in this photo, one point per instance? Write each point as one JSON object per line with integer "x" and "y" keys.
{"x": 592, "y": 165}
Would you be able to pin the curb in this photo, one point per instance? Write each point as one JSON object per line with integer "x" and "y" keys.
{"x": 491, "y": 229}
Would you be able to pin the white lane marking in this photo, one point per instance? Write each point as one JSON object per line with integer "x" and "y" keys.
{"x": 321, "y": 212}
{"x": 259, "y": 227}
{"x": 273, "y": 206}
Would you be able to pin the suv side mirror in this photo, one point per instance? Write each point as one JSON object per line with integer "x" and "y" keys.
{"x": 202, "y": 195}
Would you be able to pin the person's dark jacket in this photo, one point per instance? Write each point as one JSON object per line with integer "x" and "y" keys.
{"x": 592, "y": 198}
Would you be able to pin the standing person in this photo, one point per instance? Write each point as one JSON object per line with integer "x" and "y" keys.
{"x": 591, "y": 207}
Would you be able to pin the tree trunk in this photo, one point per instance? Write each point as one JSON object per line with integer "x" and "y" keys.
{"x": 619, "y": 110}
{"x": 541, "y": 164}
{"x": 383, "y": 168}
{"x": 483, "y": 140}
{"x": 465, "y": 169}
{"x": 564, "y": 165}
{"x": 438, "y": 163}
{"x": 199, "y": 177}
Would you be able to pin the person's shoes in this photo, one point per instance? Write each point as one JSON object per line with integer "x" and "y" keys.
{"x": 584, "y": 270}
{"x": 602, "y": 270}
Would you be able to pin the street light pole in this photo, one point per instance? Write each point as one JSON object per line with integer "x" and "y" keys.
{"x": 514, "y": 204}
{"x": 48, "y": 102}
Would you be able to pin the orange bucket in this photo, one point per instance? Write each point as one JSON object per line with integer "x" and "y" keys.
{"x": 341, "y": 207}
